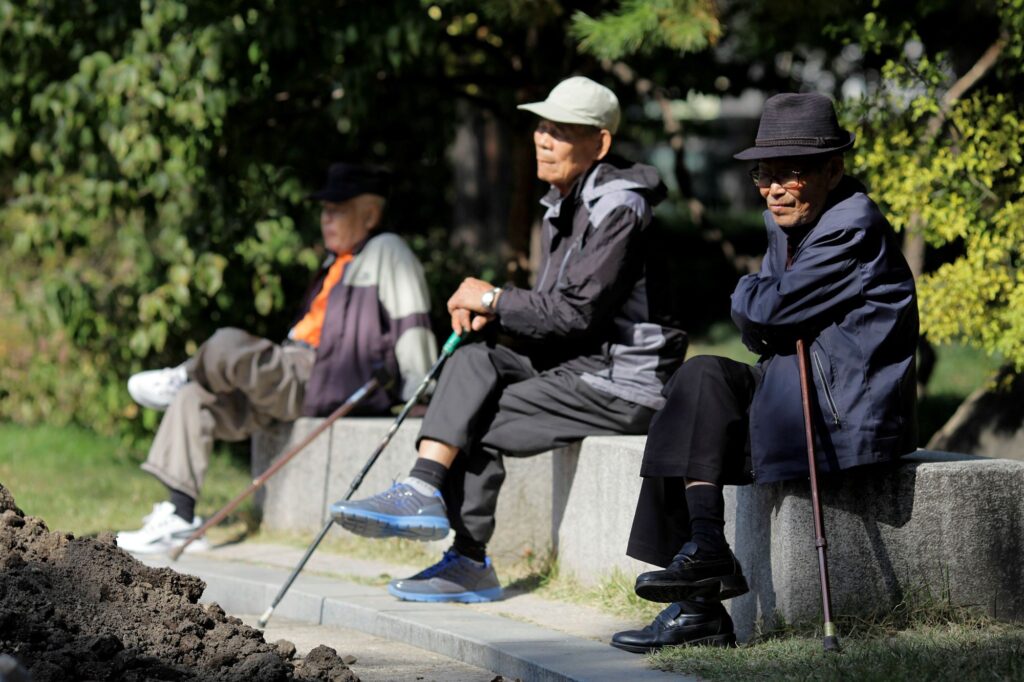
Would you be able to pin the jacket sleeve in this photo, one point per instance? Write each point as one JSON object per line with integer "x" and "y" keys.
{"x": 597, "y": 277}
{"x": 771, "y": 309}
{"x": 404, "y": 297}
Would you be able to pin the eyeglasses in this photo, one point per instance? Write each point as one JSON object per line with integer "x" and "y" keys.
{"x": 788, "y": 179}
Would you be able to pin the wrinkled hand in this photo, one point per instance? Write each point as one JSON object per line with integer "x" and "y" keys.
{"x": 463, "y": 321}
{"x": 466, "y": 301}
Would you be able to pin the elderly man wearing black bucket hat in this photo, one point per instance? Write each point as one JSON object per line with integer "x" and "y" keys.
{"x": 367, "y": 306}
{"x": 592, "y": 358}
{"x": 834, "y": 276}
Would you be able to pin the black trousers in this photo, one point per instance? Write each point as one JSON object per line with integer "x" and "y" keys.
{"x": 702, "y": 433}
{"x": 491, "y": 402}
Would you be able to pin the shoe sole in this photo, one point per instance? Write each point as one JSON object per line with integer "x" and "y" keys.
{"x": 492, "y": 594}
{"x": 666, "y": 592}
{"x": 728, "y": 640}
{"x": 370, "y": 525}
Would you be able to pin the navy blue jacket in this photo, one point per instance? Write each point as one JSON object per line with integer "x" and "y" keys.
{"x": 848, "y": 292}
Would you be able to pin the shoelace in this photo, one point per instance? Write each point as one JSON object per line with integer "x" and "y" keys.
{"x": 449, "y": 557}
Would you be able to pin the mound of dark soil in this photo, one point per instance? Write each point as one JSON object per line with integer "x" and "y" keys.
{"x": 82, "y": 609}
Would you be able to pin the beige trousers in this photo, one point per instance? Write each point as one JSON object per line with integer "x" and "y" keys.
{"x": 238, "y": 384}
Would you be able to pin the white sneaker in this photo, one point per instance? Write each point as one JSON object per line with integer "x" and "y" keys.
{"x": 162, "y": 531}
{"x": 156, "y": 388}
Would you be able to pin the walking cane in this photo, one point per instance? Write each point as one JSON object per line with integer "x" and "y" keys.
{"x": 449, "y": 347}
{"x": 831, "y": 639}
{"x": 379, "y": 379}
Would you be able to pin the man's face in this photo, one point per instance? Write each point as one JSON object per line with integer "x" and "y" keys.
{"x": 345, "y": 224}
{"x": 796, "y": 189}
{"x": 565, "y": 151}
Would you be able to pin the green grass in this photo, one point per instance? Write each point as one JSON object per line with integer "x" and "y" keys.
{"x": 85, "y": 484}
{"x": 935, "y": 653}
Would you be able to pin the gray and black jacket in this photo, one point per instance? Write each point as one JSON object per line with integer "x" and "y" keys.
{"x": 590, "y": 307}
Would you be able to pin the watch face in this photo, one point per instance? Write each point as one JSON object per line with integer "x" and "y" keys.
{"x": 487, "y": 299}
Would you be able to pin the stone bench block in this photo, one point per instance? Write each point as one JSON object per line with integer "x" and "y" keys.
{"x": 297, "y": 497}
{"x": 596, "y": 487}
{"x": 939, "y": 525}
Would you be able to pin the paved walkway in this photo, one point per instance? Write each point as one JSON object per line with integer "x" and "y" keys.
{"x": 521, "y": 636}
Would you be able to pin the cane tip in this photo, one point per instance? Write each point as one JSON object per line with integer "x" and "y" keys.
{"x": 262, "y": 622}
{"x": 831, "y": 643}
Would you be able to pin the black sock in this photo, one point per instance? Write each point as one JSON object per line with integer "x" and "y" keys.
{"x": 184, "y": 505}
{"x": 429, "y": 471}
{"x": 470, "y": 548}
{"x": 707, "y": 517}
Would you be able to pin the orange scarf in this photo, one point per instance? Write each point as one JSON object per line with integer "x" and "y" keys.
{"x": 309, "y": 327}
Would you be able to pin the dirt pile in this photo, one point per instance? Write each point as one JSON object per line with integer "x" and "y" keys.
{"x": 82, "y": 609}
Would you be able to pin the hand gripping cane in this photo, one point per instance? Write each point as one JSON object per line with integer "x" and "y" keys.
{"x": 831, "y": 639}
{"x": 379, "y": 379}
{"x": 449, "y": 347}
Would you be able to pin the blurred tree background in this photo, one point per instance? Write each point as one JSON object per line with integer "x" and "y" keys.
{"x": 155, "y": 155}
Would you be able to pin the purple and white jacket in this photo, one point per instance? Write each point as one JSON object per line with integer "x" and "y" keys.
{"x": 377, "y": 315}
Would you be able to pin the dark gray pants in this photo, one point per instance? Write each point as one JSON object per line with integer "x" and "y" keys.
{"x": 490, "y": 402}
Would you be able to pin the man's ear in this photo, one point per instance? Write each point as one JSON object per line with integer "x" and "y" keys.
{"x": 604, "y": 143}
{"x": 373, "y": 211}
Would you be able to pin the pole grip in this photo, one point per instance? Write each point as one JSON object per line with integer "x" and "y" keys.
{"x": 451, "y": 344}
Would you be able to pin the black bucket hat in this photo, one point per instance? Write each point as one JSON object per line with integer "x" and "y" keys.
{"x": 795, "y": 124}
{"x": 347, "y": 180}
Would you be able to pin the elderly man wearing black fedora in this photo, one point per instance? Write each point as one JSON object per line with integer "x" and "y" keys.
{"x": 368, "y": 306}
{"x": 833, "y": 275}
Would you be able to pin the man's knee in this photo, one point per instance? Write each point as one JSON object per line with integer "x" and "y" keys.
{"x": 228, "y": 337}
{"x": 696, "y": 372}
{"x": 190, "y": 393}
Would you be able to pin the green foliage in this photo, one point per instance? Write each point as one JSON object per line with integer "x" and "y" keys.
{"x": 154, "y": 159}
{"x": 643, "y": 26}
{"x": 952, "y": 168}
{"x": 154, "y": 162}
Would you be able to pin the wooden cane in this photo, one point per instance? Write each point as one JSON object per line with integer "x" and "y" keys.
{"x": 258, "y": 482}
{"x": 831, "y": 639}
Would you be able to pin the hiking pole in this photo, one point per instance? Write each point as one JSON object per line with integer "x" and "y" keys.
{"x": 449, "y": 347}
{"x": 831, "y": 639}
{"x": 379, "y": 379}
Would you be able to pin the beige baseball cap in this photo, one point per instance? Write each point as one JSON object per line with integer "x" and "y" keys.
{"x": 579, "y": 100}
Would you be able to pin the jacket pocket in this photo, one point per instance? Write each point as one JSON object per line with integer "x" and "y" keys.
{"x": 823, "y": 378}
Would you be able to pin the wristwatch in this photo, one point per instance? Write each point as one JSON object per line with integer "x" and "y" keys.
{"x": 490, "y": 298}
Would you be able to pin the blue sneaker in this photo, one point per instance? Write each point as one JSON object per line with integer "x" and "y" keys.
{"x": 454, "y": 578}
{"x": 400, "y": 511}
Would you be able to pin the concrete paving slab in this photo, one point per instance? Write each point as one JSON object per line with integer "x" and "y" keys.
{"x": 377, "y": 659}
{"x": 497, "y": 637}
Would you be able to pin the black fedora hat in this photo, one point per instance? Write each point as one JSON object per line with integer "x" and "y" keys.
{"x": 795, "y": 124}
{"x": 347, "y": 180}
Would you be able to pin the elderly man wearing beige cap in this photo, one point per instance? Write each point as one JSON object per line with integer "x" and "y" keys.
{"x": 591, "y": 356}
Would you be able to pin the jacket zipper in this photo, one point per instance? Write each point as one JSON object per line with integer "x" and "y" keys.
{"x": 565, "y": 261}
{"x": 828, "y": 391}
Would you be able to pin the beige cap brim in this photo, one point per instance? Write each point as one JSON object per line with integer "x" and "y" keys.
{"x": 557, "y": 114}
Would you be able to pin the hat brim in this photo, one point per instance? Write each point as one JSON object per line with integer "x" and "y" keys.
{"x": 334, "y": 195}
{"x": 557, "y": 114}
{"x": 756, "y": 153}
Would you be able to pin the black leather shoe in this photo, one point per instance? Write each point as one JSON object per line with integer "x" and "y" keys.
{"x": 694, "y": 573}
{"x": 690, "y": 622}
